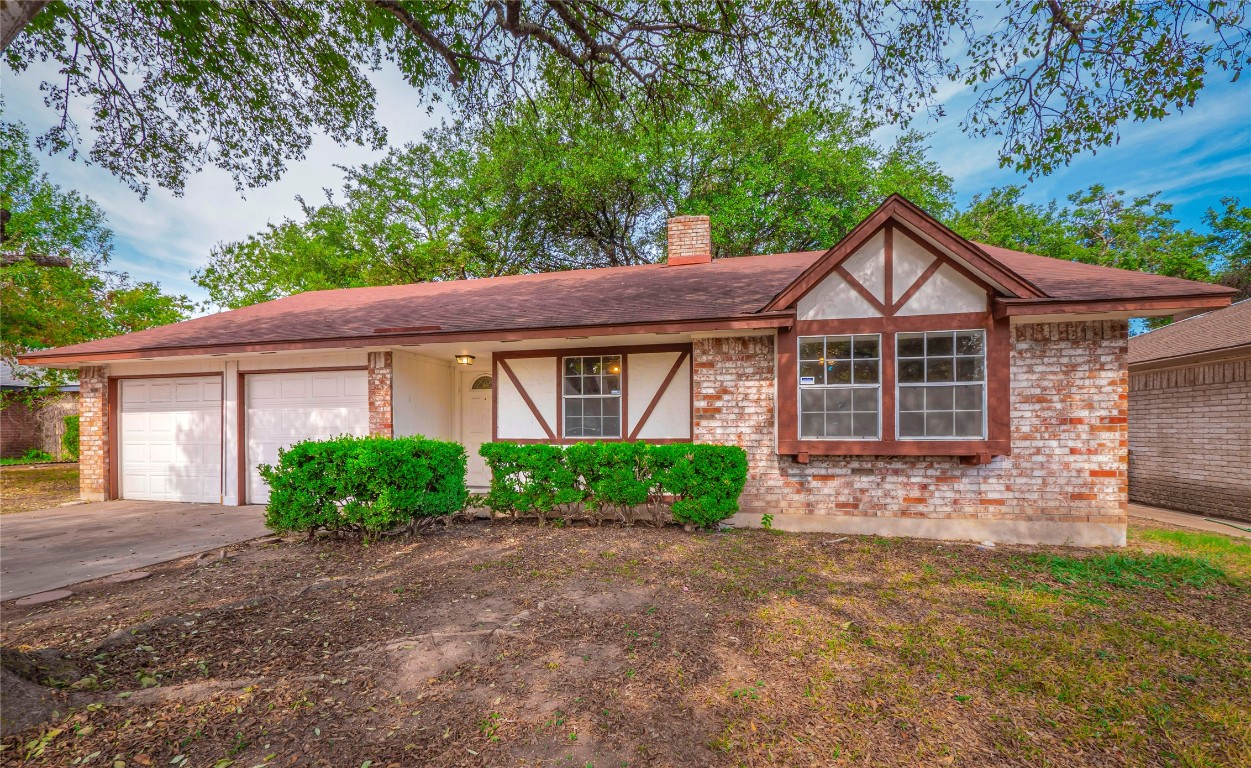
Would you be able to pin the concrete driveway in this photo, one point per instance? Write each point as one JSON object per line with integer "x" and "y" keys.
{"x": 54, "y": 548}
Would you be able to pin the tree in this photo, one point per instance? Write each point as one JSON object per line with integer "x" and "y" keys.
{"x": 173, "y": 86}
{"x": 1231, "y": 239}
{"x": 53, "y": 306}
{"x": 564, "y": 182}
{"x": 1098, "y": 227}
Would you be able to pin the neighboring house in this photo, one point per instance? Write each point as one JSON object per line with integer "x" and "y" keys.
{"x": 905, "y": 381}
{"x": 32, "y": 421}
{"x": 1190, "y": 414}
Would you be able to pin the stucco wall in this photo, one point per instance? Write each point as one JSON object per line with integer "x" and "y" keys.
{"x": 1064, "y": 482}
{"x": 1190, "y": 438}
{"x": 423, "y": 396}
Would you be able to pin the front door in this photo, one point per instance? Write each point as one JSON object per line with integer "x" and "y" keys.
{"x": 475, "y": 425}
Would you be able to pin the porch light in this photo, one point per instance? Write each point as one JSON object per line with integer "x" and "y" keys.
{"x": 464, "y": 359}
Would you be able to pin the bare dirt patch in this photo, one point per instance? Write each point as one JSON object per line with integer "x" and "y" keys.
{"x": 506, "y": 644}
{"x": 40, "y": 486}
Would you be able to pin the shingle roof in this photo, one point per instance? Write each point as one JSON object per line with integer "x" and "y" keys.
{"x": 1220, "y": 330}
{"x": 653, "y": 294}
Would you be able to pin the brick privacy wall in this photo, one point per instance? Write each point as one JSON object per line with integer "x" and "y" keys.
{"x": 689, "y": 240}
{"x": 93, "y": 454}
{"x": 39, "y": 424}
{"x": 1190, "y": 438}
{"x": 380, "y": 401}
{"x": 1069, "y": 444}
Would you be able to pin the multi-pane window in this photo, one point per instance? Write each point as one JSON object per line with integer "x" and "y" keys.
{"x": 840, "y": 387}
{"x": 941, "y": 384}
{"x": 591, "y": 388}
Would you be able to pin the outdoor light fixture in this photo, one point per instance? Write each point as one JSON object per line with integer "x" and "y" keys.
{"x": 464, "y": 359}
{"x": 614, "y": 368}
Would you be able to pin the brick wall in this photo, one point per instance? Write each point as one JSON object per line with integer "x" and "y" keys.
{"x": 1069, "y": 445}
{"x": 37, "y": 424}
{"x": 381, "y": 378}
{"x": 93, "y": 455}
{"x": 1190, "y": 438}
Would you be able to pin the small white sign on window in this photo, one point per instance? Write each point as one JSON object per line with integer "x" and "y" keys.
{"x": 807, "y": 379}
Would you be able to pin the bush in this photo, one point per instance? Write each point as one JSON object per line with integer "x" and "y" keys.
{"x": 69, "y": 438}
{"x": 699, "y": 484}
{"x": 364, "y": 484}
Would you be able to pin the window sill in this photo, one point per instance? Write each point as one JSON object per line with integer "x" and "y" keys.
{"x": 962, "y": 448}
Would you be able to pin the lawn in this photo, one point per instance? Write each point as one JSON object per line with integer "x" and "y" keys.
{"x": 506, "y": 644}
{"x": 38, "y": 486}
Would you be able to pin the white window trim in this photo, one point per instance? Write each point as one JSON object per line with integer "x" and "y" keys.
{"x": 799, "y": 389}
{"x": 983, "y": 382}
{"x": 619, "y": 397}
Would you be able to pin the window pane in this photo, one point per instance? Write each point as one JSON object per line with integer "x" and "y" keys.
{"x": 612, "y": 426}
{"x": 814, "y": 370}
{"x": 938, "y": 344}
{"x": 865, "y": 346}
{"x": 969, "y": 398}
{"x": 970, "y": 343}
{"x": 838, "y": 348}
{"x": 573, "y": 407}
{"x": 838, "y": 373}
{"x": 811, "y": 348}
{"x": 612, "y": 365}
{"x": 938, "y": 424}
{"x": 911, "y": 344}
{"x": 968, "y": 423}
{"x": 939, "y": 369}
{"x": 912, "y": 425}
{"x": 938, "y": 398}
{"x": 590, "y": 385}
{"x": 864, "y": 400}
{"x": 573, "y": 386}
{"x": 812, "y": 425}
{"x": 573, "y": 426}
{"x": 811, "y": 400}
{"x": 838, "y": 424}
{"x": 969, "y": 369}
{"x": 612, "y": 385}
{"x": 866, "y": 371}
{"x": 912, "y": 398}
{"x": 591, "y": 406}
{"x": 838, "y": 400}
{"x": 911, "y": 371}
{"x": 864, "y": 425}
{"x": 573, "y": 366}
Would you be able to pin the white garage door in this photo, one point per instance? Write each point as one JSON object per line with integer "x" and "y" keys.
{"x": 287, "y": 408}
{"x": 171, "y": 439}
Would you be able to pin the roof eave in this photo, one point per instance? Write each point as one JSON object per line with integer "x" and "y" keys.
{"x": 1010, "y": 307}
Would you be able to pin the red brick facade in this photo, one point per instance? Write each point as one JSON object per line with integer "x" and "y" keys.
{"x": 690, "y": 240}
{"x": 381, "y": 380}
{"x": 93, "y": 454}
{"x": 1190, "y": 438}
{"x": 39, "y": 424}
{"x": 1069, "y": 444}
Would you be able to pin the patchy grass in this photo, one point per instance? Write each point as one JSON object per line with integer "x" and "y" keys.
{"x": 37, "y": 487}
{"x": 507, "y": 644}
{"x": 1233, "y": 554}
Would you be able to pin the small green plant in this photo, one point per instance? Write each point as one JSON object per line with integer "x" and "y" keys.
{"x": 752, "y": 692}
{"x": 766, "y": 522}
{"x": 69, "y": 438}
{"x": 490, "y": 725}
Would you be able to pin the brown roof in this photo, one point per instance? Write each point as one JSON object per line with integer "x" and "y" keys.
{"x": 1222, "y": 330}
{"x": 722, "y": 293}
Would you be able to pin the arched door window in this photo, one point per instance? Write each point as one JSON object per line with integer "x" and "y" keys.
{"x": 482, "y": 382}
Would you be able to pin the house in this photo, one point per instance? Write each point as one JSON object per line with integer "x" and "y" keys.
{"x": 32, "y": 421}
{"x": 904, "y": 382}
{"x": 1190, "y": 414}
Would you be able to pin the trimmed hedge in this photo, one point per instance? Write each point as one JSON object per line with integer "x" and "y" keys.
{"x": 364, "y": 484}
{"x": 693, "y": 484}
{"x": 69, "y": 438}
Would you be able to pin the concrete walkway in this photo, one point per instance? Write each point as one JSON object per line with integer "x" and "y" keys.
{"x": 52, "y": 548}
{"x": 1186, "y": 520}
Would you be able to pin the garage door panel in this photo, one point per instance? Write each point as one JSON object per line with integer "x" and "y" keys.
{"x": 171, "y": 439}
{"x": 287, "y": 408}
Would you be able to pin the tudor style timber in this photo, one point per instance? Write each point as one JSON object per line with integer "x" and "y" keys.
{"x": 905, "y": 381}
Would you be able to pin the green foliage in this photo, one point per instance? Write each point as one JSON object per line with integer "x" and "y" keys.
{"x": 69, "y": 438}
{"x": 1131, "y": 570}
{"x": 32, "y": 456}
{"x": 565, "y": 181}
{"x": 1232, "y": 554}
{"x": 1231, "y": 238}
{"x": 701, "y": 482}
{"x": 364, "y": 484}
{"x": 55, "y": 306}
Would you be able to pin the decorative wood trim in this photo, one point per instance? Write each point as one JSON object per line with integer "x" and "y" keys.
{"x": 934, "y": 266}
{"x": 859, "y": 288}
{"x": 640, "y": 349}
{"x": 888, "y": 248}
{"x": 900, "y": 323}
{"x": 660, "y": 393}
{"x": 525, "y": 396}
{"x": 1007, "y": 307}
{"x": 305, "y": 370}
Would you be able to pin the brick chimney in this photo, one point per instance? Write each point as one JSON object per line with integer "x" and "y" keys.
{"x": 690, "y": 240}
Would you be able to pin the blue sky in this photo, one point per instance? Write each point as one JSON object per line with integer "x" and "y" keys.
{"x": 1194, "y": 158}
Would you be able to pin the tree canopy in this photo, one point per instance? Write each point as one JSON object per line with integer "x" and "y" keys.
{"x": 53, "y": 306}
{"x": 560, "y": 182}
{"x": 173, "y": 86}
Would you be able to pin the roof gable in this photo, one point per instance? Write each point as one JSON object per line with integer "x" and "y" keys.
{"x": 946, "y": 246}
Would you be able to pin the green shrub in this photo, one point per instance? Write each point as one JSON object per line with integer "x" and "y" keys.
{"x": 701, "y": 483}
{"x": 69, "y": 438}
{"x": 364, "y": 484}
{"x": 37, "y": 456}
